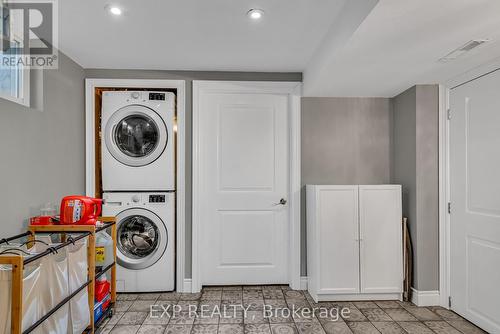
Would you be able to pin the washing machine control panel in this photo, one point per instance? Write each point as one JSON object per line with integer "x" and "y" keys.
{"x": 156, "y": 198}
{"x": 157, "y": 96}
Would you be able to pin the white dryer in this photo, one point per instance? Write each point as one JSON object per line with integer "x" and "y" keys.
{"x": 137, "y": 151}
{"x": 145, "y": 240}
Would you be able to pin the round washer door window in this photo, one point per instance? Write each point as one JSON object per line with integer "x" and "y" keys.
{"x": 141, "y": 238}
{"x": 136, "y": 135}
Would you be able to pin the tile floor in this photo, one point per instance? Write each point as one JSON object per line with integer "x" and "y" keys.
{"x": 134, "y": 314}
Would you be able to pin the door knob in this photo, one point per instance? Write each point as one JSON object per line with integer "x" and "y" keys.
{"x": 281, "y": 202}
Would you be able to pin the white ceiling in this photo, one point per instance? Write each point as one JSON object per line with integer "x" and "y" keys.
{"x": 399, "y": 43}
{"x": 344, "y": 47}
{"x": 195, "y": 34}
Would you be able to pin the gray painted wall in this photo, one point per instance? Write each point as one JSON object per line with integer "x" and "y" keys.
{"x": 189, "y": 76}
{"x": 415, "y": 165}
{"x": 404, "y": 157}
{"x": 344, "y": 141}
{"x": 43, "y": 151}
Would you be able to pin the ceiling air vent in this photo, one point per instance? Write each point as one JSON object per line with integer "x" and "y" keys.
{"x": 463, "y": 49}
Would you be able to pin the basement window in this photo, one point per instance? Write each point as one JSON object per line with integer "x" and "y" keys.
{"x": 14, "y": 80}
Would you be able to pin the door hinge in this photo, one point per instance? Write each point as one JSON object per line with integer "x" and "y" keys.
{"x": 449, "y": 301}
{"x": 449, "y": 207}
{"x": 448, "y": 115}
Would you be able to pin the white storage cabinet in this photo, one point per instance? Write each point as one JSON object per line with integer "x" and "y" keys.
{"x": 354, "y": 242}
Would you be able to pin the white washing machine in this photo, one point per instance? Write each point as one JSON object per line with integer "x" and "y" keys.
{"x": 145, "y": 240}
{"x": 137, "y": 150}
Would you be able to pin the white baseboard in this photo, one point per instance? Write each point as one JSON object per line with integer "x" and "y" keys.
{"x": 303, "y": 282}
{"x": 425, "y": 298}
{"x": 187, "y": 286}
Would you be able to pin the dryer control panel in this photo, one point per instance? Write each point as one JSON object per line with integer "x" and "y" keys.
{"x": 156, "y": 198}
{"x": 157, "y": 96}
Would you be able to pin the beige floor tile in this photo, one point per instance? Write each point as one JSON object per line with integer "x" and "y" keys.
{"x": 255, "y": 317}
{"x": 141, "y": 306}
{"x": 441, "y": 327}
{"x": 465, "y": 327}
{"x": 415, "y": 327}
{"x": 375, "y": 314}
{"x": 338, "y": 327}
{"x": 362, "y": 327}
{"x": 148, "y": 296}
{"x": 388, "y": 327}
{"x": 423, "y": 314}
{"x": 257, "y": 329}
{"x": 353, "y": 315}
{"x": 204, "y": 329}
{"x": 151, "y": 329}
{"x": 133, "y": 318}
{"x": 178, "y": 329}
{"x": 231, "y": 329}
{"x": 284, "y": 329}
{"x": 362, "y": 305}
{"x": 123, "y": 305}
{"x": 400, "y": 314}
{"x": 387, "y": 304}
{"x": 126, "y": 296}
{"x": 125, "y": 329}
{"x": 444, "y": 313}
{"x": 310, "y": 328}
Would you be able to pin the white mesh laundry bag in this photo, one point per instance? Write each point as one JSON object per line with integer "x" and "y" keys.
{"x": 79, "y": 315}
{"x": 45, "y": 284}
{"x": 32, "y": 286}
{"x": 55, "y": 279}
{"x": 32, "y": 289}
{"x": 5, "y": 297}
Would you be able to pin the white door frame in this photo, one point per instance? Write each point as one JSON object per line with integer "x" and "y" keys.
{"x": 294, "y": 91}
{"x": 444, "y": 174}
{"x": 180, "y": 86}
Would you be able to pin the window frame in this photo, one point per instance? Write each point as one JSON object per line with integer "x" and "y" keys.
{"x": 23, "y": 90}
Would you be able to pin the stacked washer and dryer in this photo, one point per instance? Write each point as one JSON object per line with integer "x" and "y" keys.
{"x": 138, "y": 181}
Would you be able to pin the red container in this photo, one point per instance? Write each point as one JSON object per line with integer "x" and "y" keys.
{"x": 41, "y": 220}
{"x": 80, "y": 210}
{"x": 101, "y": 290}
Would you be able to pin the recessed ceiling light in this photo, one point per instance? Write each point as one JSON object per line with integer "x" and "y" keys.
{"x": 255, "y": 14}
{"x": 115, "y": 10}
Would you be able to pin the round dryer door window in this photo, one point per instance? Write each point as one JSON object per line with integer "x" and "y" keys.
{"x": 141, "y": 238}
{"x": 136, "y": 135}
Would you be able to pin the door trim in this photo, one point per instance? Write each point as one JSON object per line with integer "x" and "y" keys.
{"x": 180, "y": 86}
{"x": 444, "y": 174}
{"x": 294, "y": 92}
{"x": 444, "y": 198}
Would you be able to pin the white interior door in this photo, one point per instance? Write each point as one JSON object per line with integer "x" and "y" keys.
{"x": 475, "y": 198}
{"x": 381, "y": 239}
{"x": 244, "y": 173}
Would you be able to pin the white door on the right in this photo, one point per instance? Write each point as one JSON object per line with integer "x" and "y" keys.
{"x": 475, "y": 201}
